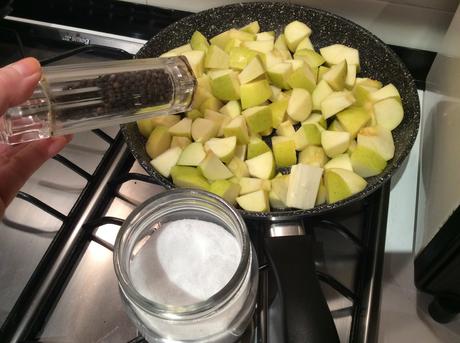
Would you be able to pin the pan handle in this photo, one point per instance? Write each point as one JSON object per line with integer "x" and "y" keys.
{"x": 307, "y": 317}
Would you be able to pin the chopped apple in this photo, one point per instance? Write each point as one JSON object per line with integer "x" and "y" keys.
{"x": 240, "y": 151}
{"x": 316, "y": 118}
{"x": 192, "y": 155}
{"x": 321, "y": 92}
{"x": 252, "y": 71}
{"x": 203, "y": 129}
{"x": 350, "y": 80}
{"x": 238, "y": 167}
{"x": 336, "y": 53}
{"x": 279, "y": 185}
{"x": 145, "y": 127}
{"x": 237, "y": 127}
{"x": 286, "y": 129}
{"x": 240, "y": 57}
{"x": 216, "y": 58}
{"x": 276, "y": 92}
{"x": 303, "y": 186}
{"x": 336, "y": 76}
{"x": 379, "y": 139}
{"x": 253, "y": 27}
{"x": 300, "y": 104}
{"x": 321, "y": 71}
{"x": 258, "y": 118}
{"x": 368, "y": 82}
{"x": 313, "y": 155}
{"x": 213, "y": 168}
{"x": 192, "y": 114}
{"x": 280, "y": 43}
{"x": 279, "y": 74}
{"x": 226, "y": 190}
{"x": 165, "y": 161}
{"x": 275, "y": 201}
{"x": 250, "y": 184}
{"x": 262, "y": 166}
{"x": 278, "y": 109}
{"x": 311, "y": 57}
{"x": 336, "y": 126}
{"x": 334, "y": 142}
{"x": 177, "y": 51}
{"x": 256, "y": 147}
{"x": 225, "y": 84}
{"x": 255, "y": 201}
{"x": 255, "y": 93}
{"x": 389, "y": 91}
{"x": 158, "y": 142}
{"x": 259, "y": 46}
{"x": 388, "y": 113}
{"x": 294, "y": 33}
{"x": 305, "y": 44}
{"x": 353, "y": 119}
{"x": 302, "y": 77}
{"x": 182, "y": 128}
{"x": 232, "y": 43}
{"x": 223, "y": 148}
{"x": 201, "y": 95}
{"x": 296, "y": 64}
{"x": 352, "y": 147}
{"x": 341, "y": 184}
{"x": 211, "y": 103}
{"x": 167, "y": 120}
{"x": 367, "y": 162}
{"x": 199, "y": 41}
{"x": 321, "y": 197}
{"x": 267, "y": 35}
{"x": 341, "y": 161}
{"x": 188, "y": 177}
{"x": 284, "y": 151}
{"x": 307, "y": 134}
{"x": 362, "y": 94}
{"x": 181, "y": 142}
{"x": 270, "y": 59}
{"x": 336, "y": 102}
{"x": 231, "y": 109}
{"x": 221, "y": 120}
{"x": 195, "y": 59}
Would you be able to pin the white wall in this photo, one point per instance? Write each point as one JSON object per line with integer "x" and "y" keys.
{"x": 413, "y": 23}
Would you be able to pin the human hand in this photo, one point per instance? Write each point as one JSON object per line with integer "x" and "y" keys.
{"x": 19, "y": 162}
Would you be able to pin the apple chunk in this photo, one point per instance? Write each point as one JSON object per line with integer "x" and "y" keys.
{"x": 294, "y": 32}
{"x": 213, "y": 168}
{"x": 353, "y": 119}
{"x": 252, "y": 71}
{"x": 226, "y": 190}
{"x": 336, "y": 76}
{"x": 182, "y": 128}
{"x": 203, "y": 129}
{"x": 342, "y": 183}
{"x": 158, "y": 142}
{"x": 256, "y": 147}
{"x": 255, "y": 201}
{"x": 307, "y": 134}
{"x": 336, "y": 102}
{"x": 379, "y": 139}
{"x": 238, "y": 128}
{"x": 284, "y": 151}
{"x": 321, "y": 92}
{"x": 388, "y": 113}
{"x": 254, "y": 93}
{"x": 300, "y": 104}
{"x": 188, "y": 177}
{"x": 341, "y": 161}
{"x": 335, "y": 142}
{"x": 303, "y": 186}
{"x": 192, "y": 155}
{"x": 313, "y": 155}
{"x": 367, "y": 162}
{"x": 224, "y": 148}
{"x": 258, "y": 118}
{"x": 336, "y": 53}
{"x": 262, "y": 166}
{"x": 164, "y": 162}
{"x": 225, "y": 84}
{"x": 216, "y": 58}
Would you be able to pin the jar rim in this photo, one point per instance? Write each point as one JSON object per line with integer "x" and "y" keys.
{"x": 177, "y": 312}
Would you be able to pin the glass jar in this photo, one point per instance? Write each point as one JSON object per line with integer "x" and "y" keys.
{"x": 224, "y": 316}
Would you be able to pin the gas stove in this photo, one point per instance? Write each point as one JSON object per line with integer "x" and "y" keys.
{"x": 56, "y": 240}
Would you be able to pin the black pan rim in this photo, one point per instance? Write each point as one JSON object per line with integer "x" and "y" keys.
{"x": 291, "y": 214}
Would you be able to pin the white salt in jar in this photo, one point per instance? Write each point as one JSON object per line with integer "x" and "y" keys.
{"x": 186, "y": 268}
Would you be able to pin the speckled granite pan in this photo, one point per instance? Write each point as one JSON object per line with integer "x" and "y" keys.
{"x": 377, "y": 62}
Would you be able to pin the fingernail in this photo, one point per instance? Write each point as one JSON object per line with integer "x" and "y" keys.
{"x": 27, "y": 67}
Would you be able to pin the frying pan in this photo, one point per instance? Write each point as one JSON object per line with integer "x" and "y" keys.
{"x": 377, "y": 62}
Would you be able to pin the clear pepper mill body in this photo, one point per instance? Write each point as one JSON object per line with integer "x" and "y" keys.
{"x": 81, "y": 97}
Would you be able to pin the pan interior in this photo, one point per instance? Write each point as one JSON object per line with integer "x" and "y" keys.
{"x": 377, "y": 62}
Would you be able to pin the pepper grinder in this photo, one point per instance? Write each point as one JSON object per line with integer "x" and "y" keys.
{"x": 81, "y": 97}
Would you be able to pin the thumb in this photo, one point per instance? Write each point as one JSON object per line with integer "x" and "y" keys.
{"x": 17, "y": 82}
